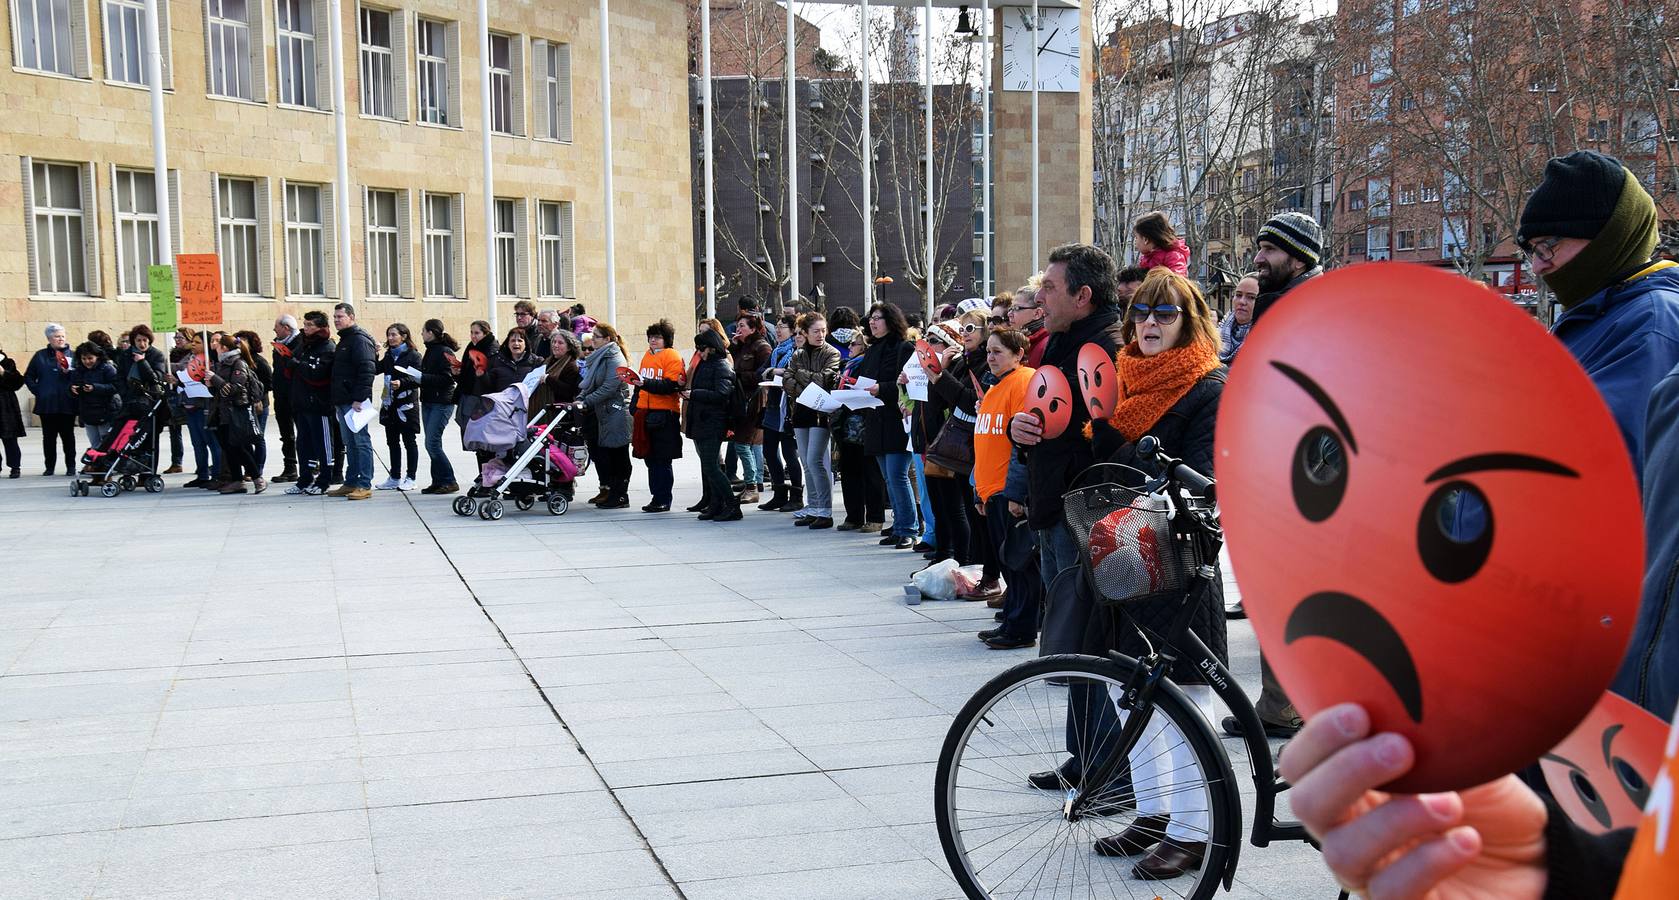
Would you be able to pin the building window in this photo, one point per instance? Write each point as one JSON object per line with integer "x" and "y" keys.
{"x": 239, "y": 225}
{"x": 507, "y": 245}
{"x": 378, "y": 63}
{"x": 385, "y": 243}
{"x": 233, "y": 48}
{"x": 1405, "y": 239}
{"x": 305, "y": 241}
{"x": 435, "y": 48}
{"x": 295, "y": 54}
{"x": 1357, "y": 200}
{"x": 1407, "y": 194}
{"x": 555, "y": 239}
{"x": 50, "y": 36}
{"x": 1426, "y": 239}
{"x": 1430, "y": 193}
{"x": 59, "y": 198}
{"x": 553, "y": 106}
{"x": 125, "y": 41}
{"x": 1598, "y": 130}
{"x": 440, "y": 226}
{"x": 501, "y": 84}
{"x": 137, "y": 228}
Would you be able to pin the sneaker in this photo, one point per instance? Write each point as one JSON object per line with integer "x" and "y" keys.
{"x": 296, "y": 489}
{"x": 390, "y": 484}
{"x": 314, "y": 490}
{"x": 406, "y": 484}
{"x": 359, "y": 494}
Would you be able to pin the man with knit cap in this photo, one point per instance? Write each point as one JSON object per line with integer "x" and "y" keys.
{"x": 1289, "y": 247}
{"x": 1589, "y": 230}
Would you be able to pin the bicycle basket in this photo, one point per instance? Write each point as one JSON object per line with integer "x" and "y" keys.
{"x": 1126, "y": 542}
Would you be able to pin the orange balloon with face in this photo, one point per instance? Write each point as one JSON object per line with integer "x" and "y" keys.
{"x": 1602, "y": 772}
{"x": 1433, "y": 514}
{"x": 1098, "y": 380}
{"x": 1050, "y": 398}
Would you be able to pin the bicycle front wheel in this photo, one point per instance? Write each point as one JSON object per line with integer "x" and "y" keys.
{"x": 1017, "y": 752}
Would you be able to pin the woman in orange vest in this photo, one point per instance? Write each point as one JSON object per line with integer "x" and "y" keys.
{"x": 657, "y": 438}
{"x": 1002, "y": 500}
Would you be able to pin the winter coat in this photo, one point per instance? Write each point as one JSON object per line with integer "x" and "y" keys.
{"x": 234, "y": 390}
{"x": 750, "y": 358}
{"x": 48, "y": 378}
{"x": 883, "y": 426}
{"x": 475, "y": 365}
{"x": 1175, "y": 257}
{"x": 1649, "y": 674}
{"x": 776, "y": 401}
{"x": 97, "y": 396}
{"x": 1626, "y": 337}
{"x": 285, "y": 371}
{"x": 437, "y": 378}
{"x": 399, "y": 411}
{"x": 535, "y": 344}
{"x": 559, "y": 384}
{"x": 1266, "y": 300}
{"x": 1052, "y": 465}
{"x": 354, "y": 363}
{"x": 144, "y": 379}
{"x": 1186, "y": 432}
{"x": 503, "y": 373}
{"x": 709, "y": 392}
{"x": 11, "y": 413}
{"x": 312, "y": 362}
{"x": 265, "y": 377}
{"x": 954, "y": 390}
{"x": 608, "y": 396}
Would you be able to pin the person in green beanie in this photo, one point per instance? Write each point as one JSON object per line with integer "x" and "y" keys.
{"x": 1589, "y": 230}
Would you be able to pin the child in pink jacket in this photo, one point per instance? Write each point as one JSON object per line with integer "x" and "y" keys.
{"x": 1159, "y": 245}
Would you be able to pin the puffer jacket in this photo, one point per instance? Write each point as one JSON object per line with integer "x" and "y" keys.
{"x": 1649, "y": 674}
{"x": 709, "y": 392}
{"x": 234, "y": 388}
{"x": 354, "y": 363}
{"x": 399, "y": 410}
{"x": 608, "y": 396}
{"x": 96, "y": 392}
{"x": 312, "y": 389}
{"x": 437, "y": 377}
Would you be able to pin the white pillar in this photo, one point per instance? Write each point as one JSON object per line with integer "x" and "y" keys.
{"x": 489, "y": 167}
{"x": 341, "y": 140}
{"x": 988, "y": 281}
{"x": 1034, "y": 130}
{"x": 606, "y": 163}
{"x": 866, "y": 153}
{"x": 160, "y": 148}
{"x": 710, "y": 182}
{"x": 927, "y": 121}
{"x": 790, "y": 94}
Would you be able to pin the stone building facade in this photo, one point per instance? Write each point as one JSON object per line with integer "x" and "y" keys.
{"x": 252, "y": 168}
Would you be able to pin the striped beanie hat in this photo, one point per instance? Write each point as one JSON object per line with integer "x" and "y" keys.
{"x": 1296, "y": 233}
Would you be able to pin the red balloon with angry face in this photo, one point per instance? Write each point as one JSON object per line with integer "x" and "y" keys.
{"x": 1601, "y": 773}
{"x": 1433, "y": 514}
{"x": 1098, "y": 380}
{"x": 1050, "y": 398}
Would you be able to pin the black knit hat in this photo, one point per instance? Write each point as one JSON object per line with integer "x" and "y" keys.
{"x": 1296, "y": 234}
{"x": 1576, "y": 198}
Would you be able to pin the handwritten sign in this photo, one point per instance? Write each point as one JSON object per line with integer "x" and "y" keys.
{"x": 200, "y": 287}
{"x": 160, "y": 280}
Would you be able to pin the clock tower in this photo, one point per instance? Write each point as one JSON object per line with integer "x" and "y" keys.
{"x": 1061, "y": 42}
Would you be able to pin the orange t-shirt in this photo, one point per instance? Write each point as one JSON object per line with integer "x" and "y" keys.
{"x": 1652, "y": 865}
{"x": 991, "y": 431}
{"x": 667, "y": 364}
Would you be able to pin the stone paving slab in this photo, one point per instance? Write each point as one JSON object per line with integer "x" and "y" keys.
{"x": 275, "y": 696}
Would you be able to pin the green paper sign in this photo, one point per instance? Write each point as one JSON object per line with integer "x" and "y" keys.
{"x": 161, "y": 281}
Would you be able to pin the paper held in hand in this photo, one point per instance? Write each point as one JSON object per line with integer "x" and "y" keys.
{"x": 819, "y": 400}
{"x": 772, "y": 383}
{"x": 192, "y": 387}
{"x": 916, "y": 387}
{"x": 359, "y": 419}
{"x": 857, "y": 399}
{"x": 409, "y": 372}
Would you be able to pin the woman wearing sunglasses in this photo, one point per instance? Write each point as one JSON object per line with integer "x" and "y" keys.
{"x": 1170, "y": 380}
{"x": 951, "y": 392}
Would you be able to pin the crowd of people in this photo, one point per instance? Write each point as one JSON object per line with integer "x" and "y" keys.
{"x": 944, "y": 459}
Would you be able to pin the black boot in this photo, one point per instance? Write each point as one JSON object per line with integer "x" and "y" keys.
{"x": 704, "y": 504}
{"x": 795, "y": 501}
{"x": 713, "y": 510}
{"x": 618, "y": 497}
{"x": 729, "y": 511}
{"x": 776, "y": 499}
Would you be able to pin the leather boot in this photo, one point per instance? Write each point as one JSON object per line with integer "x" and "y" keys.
{"x": 618, "y": 497}
{"x": 748, "y": 495}
{"x": 729, "y": 511}
{"x": 776, "y": 499}
{"x": 605, "y": 492}
{"x": 795, "y": 501}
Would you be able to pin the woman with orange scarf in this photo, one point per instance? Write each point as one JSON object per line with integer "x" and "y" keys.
{"x": 1170, "y": 380}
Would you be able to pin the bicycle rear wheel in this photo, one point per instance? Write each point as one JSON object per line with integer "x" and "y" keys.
{"x": 1004, "y": 838}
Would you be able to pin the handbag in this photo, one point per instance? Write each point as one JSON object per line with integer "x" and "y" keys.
{"x": 953, "y": 447}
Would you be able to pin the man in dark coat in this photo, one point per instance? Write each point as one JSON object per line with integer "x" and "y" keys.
{"x": 353, "y": 366}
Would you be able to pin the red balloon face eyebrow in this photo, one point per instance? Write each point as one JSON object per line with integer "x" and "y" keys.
{"x": 1500, "y": 462}
{"x": 1321, "y": 398}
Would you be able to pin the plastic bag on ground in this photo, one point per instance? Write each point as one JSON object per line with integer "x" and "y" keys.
{"x": 937, "y": 581}
{"x": 969, "y": 577}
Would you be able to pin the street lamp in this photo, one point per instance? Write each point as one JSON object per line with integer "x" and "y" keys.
{"x": 880, "y": 288}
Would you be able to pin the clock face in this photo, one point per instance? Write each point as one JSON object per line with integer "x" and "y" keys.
{"x": 1056, "y": 44}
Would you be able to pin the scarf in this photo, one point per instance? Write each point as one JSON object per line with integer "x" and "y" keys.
{"x": 1620, "y": 249}
{"x": 1150, "y": 385}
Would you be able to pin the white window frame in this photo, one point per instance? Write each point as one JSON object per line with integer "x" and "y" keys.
{"x": 59, "y": 219}
{"x": 256, "y": 229}
{"x": 394, "y": 235}
{"x": 127, "y": 246}
{"x": 501, "y": 85}
{"x": 125, "y": 41}
{"x": 510, "y": 256}
{"x": 253, "y": 68}
{"x": 308, "y": 58}
{"x": 553, "y": 101}
{"x": 442, "y": 245}
{"x": 556, "y": 256}
{"x": 394, "y": 61}
{"x": 429, "y": 62}
{"x": 305, "y": 240}
{"x": 72, "y": 58}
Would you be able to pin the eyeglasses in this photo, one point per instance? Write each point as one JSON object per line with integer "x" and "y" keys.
{"x": 969, "y": 328}
{"x": 1542, "y": 249}
{"x": 877, "y": 317}
{"x": 1021, "y": 309}
{"x": 1162, "y": 313}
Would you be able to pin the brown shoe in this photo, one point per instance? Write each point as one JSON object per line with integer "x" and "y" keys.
{"x": 172, "y": 470}
{"x": 997, "y": 601}
{"x": 359, "y": 494}
{"x": 604, "y": 493}
{"x": 1170, "y": 859}
{"x": 233, "y": 487}
{"x": 1144, "y": 833}
{"x": 872, "y": 527}
{"x": 342, "y": 490}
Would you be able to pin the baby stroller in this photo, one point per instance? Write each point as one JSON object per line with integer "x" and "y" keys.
{"x": 542, "y": 464}
{"x": 127, "y": 458}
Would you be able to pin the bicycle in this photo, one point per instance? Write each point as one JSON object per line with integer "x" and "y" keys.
{"x": 1000, "y": 837}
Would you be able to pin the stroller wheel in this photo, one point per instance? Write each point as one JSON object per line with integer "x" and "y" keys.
{"x": 127, "y": 483}
{"x": 558, "y": 505}
{"x": 77, "y": 488}
{"x": 108, "y": 489}
{"x": 154, "y": 484}
{"x": 490, "y": 511}
{"x": 524, "y": 503}
{"x": 465, "y": 506}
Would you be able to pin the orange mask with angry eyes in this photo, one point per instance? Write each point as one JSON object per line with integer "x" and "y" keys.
{"x": 1432, "y": 513}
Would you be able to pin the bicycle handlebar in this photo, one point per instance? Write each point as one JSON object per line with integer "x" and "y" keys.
{"x": 1176, "y": 469}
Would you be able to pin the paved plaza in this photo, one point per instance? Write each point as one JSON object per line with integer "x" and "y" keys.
{"x": 273, "y": 696}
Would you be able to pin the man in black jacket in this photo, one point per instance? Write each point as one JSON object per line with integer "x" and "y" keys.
{"x": 311, "y": 397}
{"x": 353, "y": 366}
{"x": 285, "y": 373}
